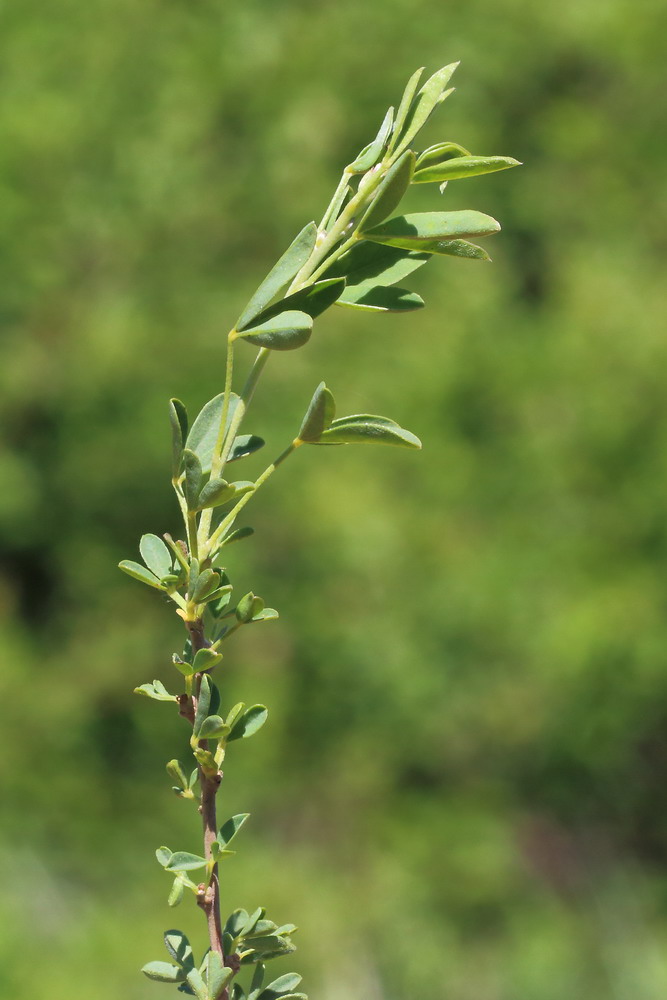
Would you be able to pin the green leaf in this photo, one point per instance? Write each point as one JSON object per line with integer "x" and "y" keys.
{"x": 280, "y": 987}
{"x": 320, "y": 413}
{"x": 212, "y": 728}
{"x": 203, "y": 701}
{"x": 179, "y": 948}
{"x": 284, "y": 332}
{"x": 193, "y": 478}
{"x": 195, "y": 980}
{"x": 164, "y": 855}
{"x": 235, "y": 923}
{"x": 249, "y": 723}
{"x": 177, "y": 774}
{"x": 248, "y": 607}
{"x": 257, "y": 980}
{"x": 265, "y": 615}
{"x": 217, "y": 974}
{"x": 177, "y": 892}
{"x": 271, "y": 945}
{"x": 187, "y": 669}
{"x": 461, "y": 248}
{"x": 424, "y": 104}
{"x": 178, "y": 417}
{"x": 163, "y": 972}
{"x": 382, "y": 299}
{"x": 245, "y": 444}
{"x": 426, "y": 231}
{"x": 140, "y": 573}
{"x": 207, "y": 583}
{"x": 464, "y": 166}
{"x": 252, "y": 922}
{"x": 388, "y": 196}
{"x": 261, "y": 929}
{"x": 203, "y": 437}
{"x": 404, "y": 106}
{"x": 234, "y": 714}
{"x": 157, "y": 691}
{"x": 284, "y": 271}
{"x": 371, "y": 153}
{"x": 312, "y": 300}
{"x": 370, "y": 264}
{"x": 217, "y": 492}
{"x": 368, "y": 430}
{"x": 229, "y": 829}
{"x": 237, "y": 535}
{"x": 206, "y": 659}
{"x": 156, "y": 555}
{"x": 206, "y": 760}
{"x": 183, "y": 861}
{"x": 439, "y": 153}
{"x": 238, "y": 993}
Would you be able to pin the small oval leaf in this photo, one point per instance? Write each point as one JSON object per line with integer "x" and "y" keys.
{"x": 163, "y": 972}
{"x": 183, "y": 861}
{"x": 382, "y": 299}
{"x": 156, "y": 555}
{"x": 284, "y": 332}
{"x": 284, "y": 271}
{"x": 369, "y": 431}
{"x": 320, "y": 413}
{"x": 464, "y": 166}
{"x": 426, "y": 230}
{"x": 139, "y": 572}
{"x": 249, "y": 723}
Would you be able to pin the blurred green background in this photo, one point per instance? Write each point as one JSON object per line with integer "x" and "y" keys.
{"x": 461, "y": 792}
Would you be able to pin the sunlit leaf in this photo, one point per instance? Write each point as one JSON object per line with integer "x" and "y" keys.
{"x": 212, "y": 728}
{"x": 157, "y": 691}
{"x": 249, "y": 723}
{"x": 193, "y": 478}
{"x": 424, "y": 104}
{"x": 139, "y": 572}
{"x": 206, "y": 659}
{"x": 217, "y": 974}
{"x": 313, "y": 300}
{"x": 280, "y": 987}
{"x": 163, "y": 972}
{"x": 204, "y": 433}
{"x": 195, "y": 980}
{"x": 370, "y": 430}
{"x": 284, "y": 271}
{"x": 284, "y": 332}
{"x": 320, "y": 413}
{"x": 156, "y": 555}
{"x": 178, "y": 946}
{"x": 371, "y": 153}
{"x": 248, "y": 607}
{"x": 369, "y": 264}
{"x": 425, "y": 231}
{"x": 390, "y": 191}
{"x": 404, "y": 107}
{"x": 439, "y": 153}
{"x": 176, "y": 894}
{"x": 464, "y": 166}
{"x": 183, "y": 861}
{"x": 382, "y": 299}
{"x": 229, "y": 829}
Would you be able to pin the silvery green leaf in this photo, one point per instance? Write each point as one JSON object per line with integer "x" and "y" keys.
{"x": 156, "y": 555}
{"x": 163, "y": 972}
{"x": 179, "y": 948}
{"x": 280, "y": 276}
{"x": 217, "y": 974}
{"x": 139, "y": 572}
{"x": 425, "y": 231}
{"x": 212, "y": 728}
{"x": 284, "y": 332}
{"x": 320, "y": 413}
{"x": 193, "y": 478}
{"x": 176, "y": 893}
{"x": 204, "y": 433}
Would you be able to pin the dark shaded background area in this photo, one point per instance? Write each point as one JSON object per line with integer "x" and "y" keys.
{"x": 461, "y": 792}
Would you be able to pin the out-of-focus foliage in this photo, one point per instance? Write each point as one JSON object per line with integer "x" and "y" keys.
{"x": 468, "y": 683}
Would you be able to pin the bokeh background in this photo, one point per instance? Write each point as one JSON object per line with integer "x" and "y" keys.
{"x": 461, "y": 792}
